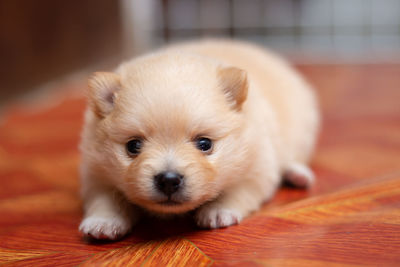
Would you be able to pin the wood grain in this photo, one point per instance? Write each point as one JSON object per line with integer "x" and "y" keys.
{"x": 351, "y": 217}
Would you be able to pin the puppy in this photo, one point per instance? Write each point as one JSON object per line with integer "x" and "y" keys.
{"x": 210, "y": 126}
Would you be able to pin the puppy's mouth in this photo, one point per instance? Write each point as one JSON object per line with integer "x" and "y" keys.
{"x": 173, "y": 201}
{"x": 171, "y": 205}
{"x": 170, "y": 202}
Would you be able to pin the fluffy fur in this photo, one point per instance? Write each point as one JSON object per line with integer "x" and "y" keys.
{"x": 261, "y": 116}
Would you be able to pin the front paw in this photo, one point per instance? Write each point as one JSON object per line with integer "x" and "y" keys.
{"x": 110, "y": 228}
{"x": 214, "y": 217}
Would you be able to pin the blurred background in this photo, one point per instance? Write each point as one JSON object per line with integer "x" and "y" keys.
{"x": 45, "y": 40}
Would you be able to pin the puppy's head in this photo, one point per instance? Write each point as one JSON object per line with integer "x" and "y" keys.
{"x": 169, "y": 129}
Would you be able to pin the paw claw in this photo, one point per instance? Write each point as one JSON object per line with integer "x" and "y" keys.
{"x": 104, "y": 228}
{"x": 217, "y": 218}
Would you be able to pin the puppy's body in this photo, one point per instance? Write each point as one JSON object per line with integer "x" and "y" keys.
{"x": 262, "y": 123}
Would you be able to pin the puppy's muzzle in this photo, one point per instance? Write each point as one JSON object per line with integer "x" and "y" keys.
{"x": 168, "y": 182}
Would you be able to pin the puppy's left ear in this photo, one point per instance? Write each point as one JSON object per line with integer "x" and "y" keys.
{"x": 102, "y": 89}
{"x": 234, "y": 85}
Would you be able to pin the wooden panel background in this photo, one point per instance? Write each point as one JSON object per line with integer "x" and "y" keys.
{"x": 43, "y": 39}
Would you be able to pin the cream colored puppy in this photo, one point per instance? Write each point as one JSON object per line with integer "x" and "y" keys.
{"x": 210, "y": 126}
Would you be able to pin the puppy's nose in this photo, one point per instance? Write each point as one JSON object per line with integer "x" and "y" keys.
{"x": 168, "y": 182}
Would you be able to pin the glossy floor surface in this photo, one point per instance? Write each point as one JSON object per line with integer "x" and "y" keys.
{"x": 351, "y": 216}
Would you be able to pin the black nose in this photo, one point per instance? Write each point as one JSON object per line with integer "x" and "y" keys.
{"x": 168, "y": 182}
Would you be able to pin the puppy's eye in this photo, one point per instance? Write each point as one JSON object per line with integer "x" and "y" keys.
{"x": 204, "y": 144}
{"x": 133, "y": 147}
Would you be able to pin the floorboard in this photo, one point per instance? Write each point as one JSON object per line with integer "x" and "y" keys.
{"x": 351, "y": 217}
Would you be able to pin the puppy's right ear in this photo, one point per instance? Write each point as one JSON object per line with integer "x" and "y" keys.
{"x": 102, "y": 89}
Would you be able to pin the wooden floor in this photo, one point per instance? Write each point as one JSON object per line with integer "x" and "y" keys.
{"x": 350, "y": 218}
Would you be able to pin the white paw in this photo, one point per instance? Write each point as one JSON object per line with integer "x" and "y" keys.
{"x": 209, "y": 217}
{"x": 105, "y": 227}
{"x": 299, "y": 175}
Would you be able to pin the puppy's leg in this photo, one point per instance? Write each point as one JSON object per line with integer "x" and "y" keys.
{"x": 299, "y": 175}
{"x": 107, "y": 214}
{"x": 231, "y": 207}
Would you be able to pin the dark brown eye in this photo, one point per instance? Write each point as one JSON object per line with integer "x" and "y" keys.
{"x": 204, "y": 144}
{"x": 133, "y": 147}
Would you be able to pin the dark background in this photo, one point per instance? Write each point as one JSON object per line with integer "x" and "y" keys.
{"x": 44, "y": 39}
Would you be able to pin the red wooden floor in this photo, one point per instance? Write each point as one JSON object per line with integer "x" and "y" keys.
{"x": 351, "y": 217}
